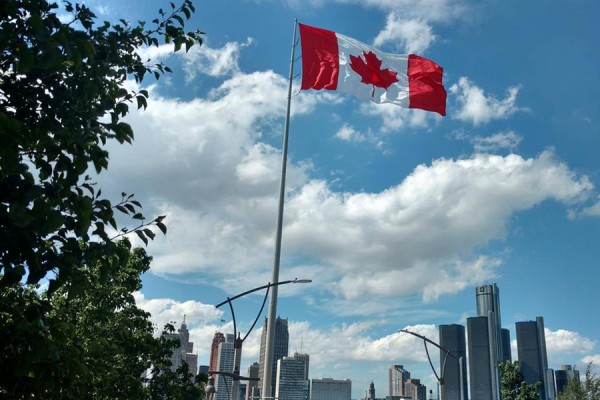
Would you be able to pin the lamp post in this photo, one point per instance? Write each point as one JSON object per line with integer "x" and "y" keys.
{"x": 235, "y": 374}
{"x": 443, "y": 369}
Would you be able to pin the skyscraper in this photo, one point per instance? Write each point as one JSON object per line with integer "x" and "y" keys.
{"x": 533, "y": 361}
{"x": 563, "y": 375}
{"x": 371, "y": 392}
{"x": 225, "y": 361}
{"x": 185, "y": 350}
{"x": 415, "y": 390}
{"x": 480, "y": 369}
{"x": 280, "y": 349}
{"x": 488, "y": 305}
{"x": 397, "y": 379}
{"x": 506, "y": 355}
{"x": 252, "y": 387}
{"x": 214, "y": 351}
{"x": 452, "y": 338}
{"x": 330, "y": 389}
{"x": 306, "y": 358}
{"x": 292, "y": 381}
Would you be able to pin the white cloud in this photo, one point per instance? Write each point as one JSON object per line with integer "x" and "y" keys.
{"x": 477, "y": 108}
{"x": 427, "y": 223}
{"x": 592, "y": 211}
{"x": 216, "y": 62}
{"x": 166, "y": 310}
{"x": 213, "y": 62}
{"x": 156, "y": 54}
{"x": 394, "y": 118}
{"x": 594, "y": 359}
{"x": 499, "y": 141}
{"x": 349, "y": 134}
{"x": 564, "y": 341}
{"x": 427, "y": 10}
{"x": 407, "y": 35}
{"x": 205, "y": 163}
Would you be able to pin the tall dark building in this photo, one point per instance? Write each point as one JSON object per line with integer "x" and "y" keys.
{"x": 452, "y": 338}
{"x": 506, "y": 355}
{"x": 252, "y": 386}
{"x": 563, "y": 375}
{"x": 280, "y": 350}
{"x": 371, "y": 392}
{"x": 533, "y": 361}
{"x": 480, "y": 369}
{"x": 488, "y": 305}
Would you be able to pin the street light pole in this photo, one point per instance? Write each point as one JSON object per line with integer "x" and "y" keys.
{"x": 238, "y": 341}
{"x": 443, "y": 369}
{"x": 270, "y": 336}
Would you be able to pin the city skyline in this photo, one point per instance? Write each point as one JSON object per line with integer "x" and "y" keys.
{"x": 396, "y": 215}
{"x": 487, "y": 348}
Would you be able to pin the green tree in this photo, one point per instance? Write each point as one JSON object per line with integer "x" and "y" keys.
{"x": 589, "y": 389}
{"x": 513, "y": 385}
{"x": 62, "y": 99}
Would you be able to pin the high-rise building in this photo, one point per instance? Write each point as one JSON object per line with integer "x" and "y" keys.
{"x": 563, "y": 375}
{"x": 280, "y": 349}
{"x": 506, "y": 354}
{"x": 415, "y": 390}
{"x": 306, "y": 358}
{"x": 185, "y": 350}
{"x": 214, "y": 351}
{"x": 480, "y": 370}
{"x": 533, "y": 360}
{"x": 291, "y": 380}
{"x": 203, "y": 369}
{"x": 225, "y": 361}
{"x": 488, "y": 305}
{"x": 330, "y": 389}
{"x": 452, "y": 338}
{"x": 252, "y": 387}
{"x": 371, "y": 392}
{"x": 397, "y": 379}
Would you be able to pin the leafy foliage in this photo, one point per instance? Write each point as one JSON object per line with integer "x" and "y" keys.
{"x": 589, "y": 389}
{"x": 62, "y": 99}
{"x": 513, "y": 385}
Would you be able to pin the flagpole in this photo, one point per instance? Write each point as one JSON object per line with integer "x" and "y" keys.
{"x": 270, "y": 337}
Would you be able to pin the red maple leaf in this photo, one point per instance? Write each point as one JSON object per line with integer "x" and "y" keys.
{"x": 371, "y": 72}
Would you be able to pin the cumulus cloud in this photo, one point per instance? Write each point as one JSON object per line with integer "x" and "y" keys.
{"x": 500, "y": 141}
{"x": 427, "y": 10}
{"x": 594, "y": 359}
{"x": 207, "y": 165}
{"x": 216, "y": 62}
{"x": 477, "y": 108}
{"x": 592, "y": 211}
{"x": 428, "y": 222}
{"x": 349, "y": 134}
{"x": 409, "y": 36}
{"x": 166, "y": 310}
{"x": 565, "y": 341}
{"x": 394, "y": 118}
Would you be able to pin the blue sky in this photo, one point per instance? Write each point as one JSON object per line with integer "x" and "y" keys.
{"x": 396, "y": 215}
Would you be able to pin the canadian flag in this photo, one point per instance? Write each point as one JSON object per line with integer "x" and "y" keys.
{"x": 332, "y": 61}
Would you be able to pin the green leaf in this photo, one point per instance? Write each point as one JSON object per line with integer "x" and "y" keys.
{"x": 26, "y": 58}
{"x": 162, "y": 227}
{"x": 142, "y": 236}
{"x": 141, "y": 102}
